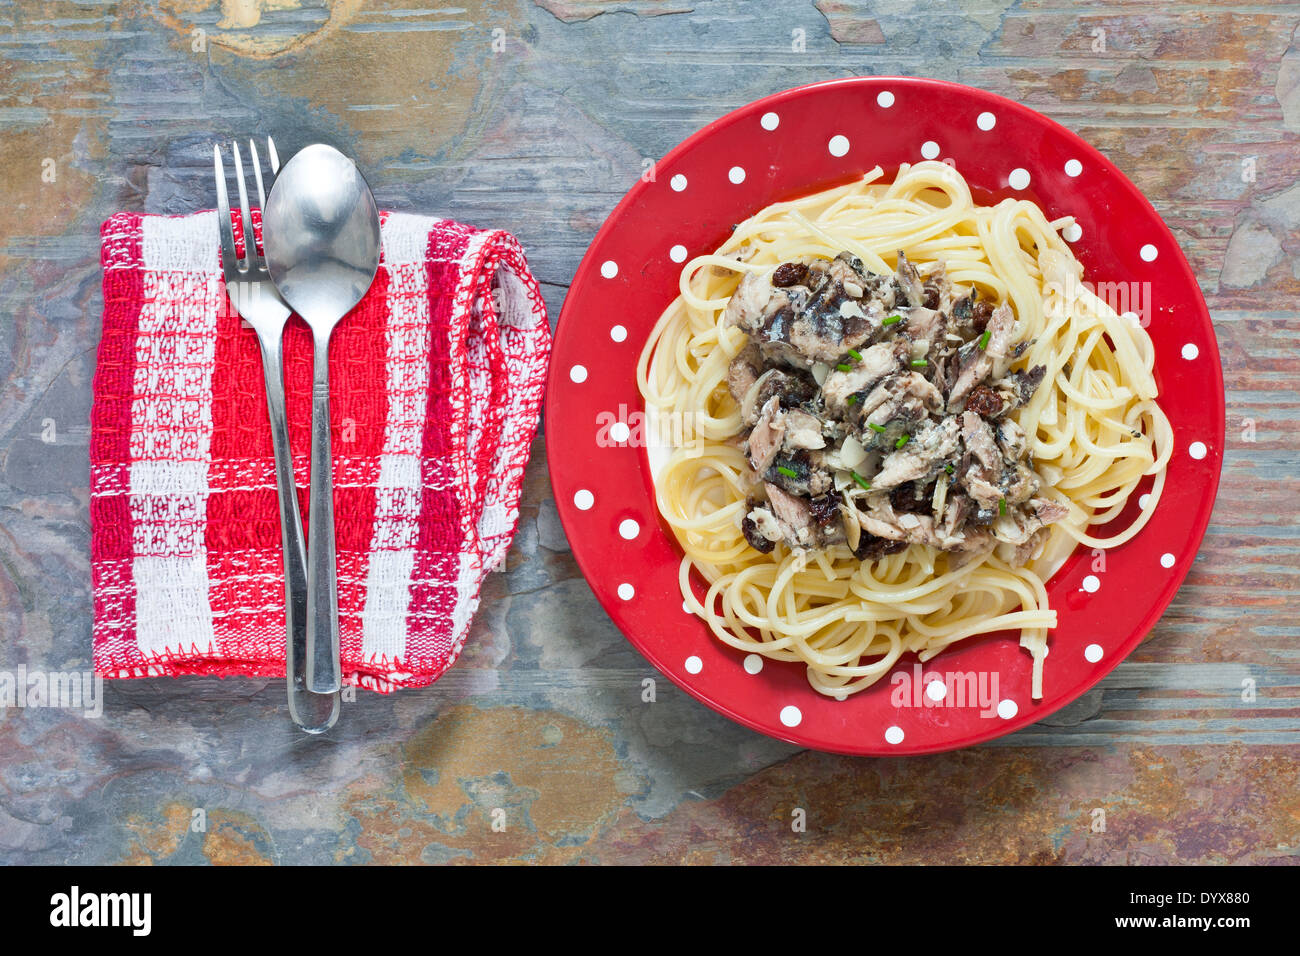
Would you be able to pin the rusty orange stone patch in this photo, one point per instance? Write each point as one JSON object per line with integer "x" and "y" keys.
{"x": 152, "y": 840}
{"x": 991, "y": 806}
{"x": 48, "y": 168}
{"x": 392, "y": 91}
{"x": 235, "y": 839}
{"x": 495, "y": 785}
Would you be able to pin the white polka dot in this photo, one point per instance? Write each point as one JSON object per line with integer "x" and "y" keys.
{"x": 609, "y": 268}
{"x": 626, "y": 591}
{"x": 677, "y": 253}
{"x": 894, "y": 735}
{"x": 930, "y": 149}
{"x": 1092, "y": 584}
{"x": 1148, "y": 252}
{"x": 686, "y": 607}
{"x": 1007, "y": 709}
{"x": 678, "y": 183}
{"x": 841, "y": 696}
{"x": 1197, "y": 450}
{"x": 1073, "y": 167}
{"x": 578, "y": 373}
{"x": 629, "y": 529}
{"x": 1166, "y": 560}
{"x": 791, "y": 716}
{"x": 618, "y": 333}
{"x": 839, "y": 145}
{"x": 1131, "y": 317}
{"x": 736, "y": 174}
{"x": 936, "y": 690}
{"x": 885, "y": 98}
{"x": 1019, "y": 178}
{"x": 770, "y": 121}
{"x": 1072, "y": 233}
{"x": 619, "y": 431}
{"x": 694, "y": 665}
{"x": 986, "y": 121}
{"x": 1093, "y": 653}
{"x": 1144, "y": 501}
{"x": 1190, "y": 351}
{"x": 753, "y": 663}
{"x": 583, "y": 499}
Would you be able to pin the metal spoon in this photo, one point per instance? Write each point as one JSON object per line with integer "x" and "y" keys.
{"x": 321, "y": 233}
{"x": 252, "y": 294}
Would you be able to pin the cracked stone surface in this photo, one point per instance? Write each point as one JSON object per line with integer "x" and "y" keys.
{"x": 541, "y": 744}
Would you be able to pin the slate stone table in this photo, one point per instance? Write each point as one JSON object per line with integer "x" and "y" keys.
{"x": 536, "y": 117}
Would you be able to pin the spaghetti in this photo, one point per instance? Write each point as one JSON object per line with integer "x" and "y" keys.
{"x": 1094, "y": 431}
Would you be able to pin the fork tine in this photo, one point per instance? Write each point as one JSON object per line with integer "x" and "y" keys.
{"x": 272, "y": 156}
{"x": 250, "y": 242}
{"x": 257, "y": 174}
{"x": 228, "y": 258}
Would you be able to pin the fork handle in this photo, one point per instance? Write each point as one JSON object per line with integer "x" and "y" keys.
{"x": 314, "y": 713}
{"x": 322, "y": 580}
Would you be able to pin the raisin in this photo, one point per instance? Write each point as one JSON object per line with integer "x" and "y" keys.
{"x": 980, "y": 314}
{"x": 788, "y": 274}
{"x": 984, "y": 401}
{"x": 913, "y": 496}
{"x": 903, "y": 498}
{"x": 825, "y": 509}
{"x": 871, "y": 548}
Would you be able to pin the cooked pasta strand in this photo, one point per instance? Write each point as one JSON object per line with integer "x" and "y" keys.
{"x": 1094, "y": 427}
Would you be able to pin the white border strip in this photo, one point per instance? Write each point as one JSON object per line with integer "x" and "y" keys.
{"x": 171, "y": 443}
{"x": 398, "y": 492}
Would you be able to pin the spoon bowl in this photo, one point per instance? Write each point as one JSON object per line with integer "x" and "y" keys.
{"x": 322, "y": 234}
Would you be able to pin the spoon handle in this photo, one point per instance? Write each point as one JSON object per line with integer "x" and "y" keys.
{"x": 314, "y": 713}
{"x": 322, "y": 587}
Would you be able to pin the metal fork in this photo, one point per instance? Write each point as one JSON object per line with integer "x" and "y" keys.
{"x": 254, "y": 297}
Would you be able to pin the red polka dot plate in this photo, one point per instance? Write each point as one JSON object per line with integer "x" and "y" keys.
{"x": 792, "y": 144}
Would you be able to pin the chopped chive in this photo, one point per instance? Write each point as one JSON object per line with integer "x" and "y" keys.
{"x": 948, "y": 468}
{"x": 919, "y": 363}
{"x": 857, "y": 356}
{"x": 853, "y": 399}
{"x": 844, "y": 368}
{"x": 788, "y": 472}
{"x": 878, "y": 429}
{"x": 1002, "y": 506}
{"x": 866, "y": 485}
{"x": 892, "y": 319}
{"x": 902, "y": 441}
{"x": 984, "y": 339}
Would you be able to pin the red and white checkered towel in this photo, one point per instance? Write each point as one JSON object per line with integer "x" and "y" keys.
{"x": 436, "y": 378}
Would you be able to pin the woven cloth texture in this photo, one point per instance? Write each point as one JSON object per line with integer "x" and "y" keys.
{"x": 436, "y": 381}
